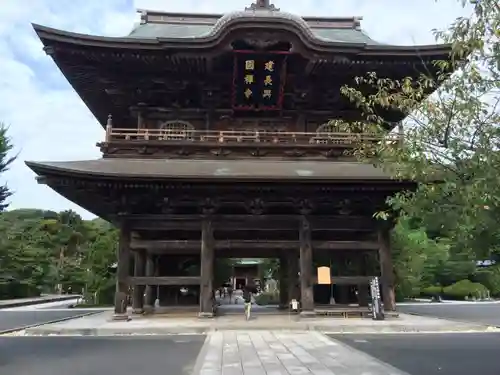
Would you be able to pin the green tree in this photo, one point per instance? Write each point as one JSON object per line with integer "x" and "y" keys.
{"x": 5, "y": 162}
{"x": 450, "y": 137}
{"x": 47, "y": 251}
{"x": 417, "y": 259}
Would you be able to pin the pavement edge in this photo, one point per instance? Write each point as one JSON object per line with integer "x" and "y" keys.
{"x": 201, "y": 355}
{"x": 395, "y": 370}
{"x": 40, "y": 330}
{"x": 23, "y": 328}
{"x": 480, "y": 324}
{"x": 40, "y": 301}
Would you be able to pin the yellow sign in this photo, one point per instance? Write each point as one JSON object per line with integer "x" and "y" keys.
{"x": 268, "y": 81}
{"x": 324, "y": 275}
{"x": 248, "y": 93}
{"x": 249, "y": 64}
{"x": 269, "y": 66}
{"x": 249, "y": 79}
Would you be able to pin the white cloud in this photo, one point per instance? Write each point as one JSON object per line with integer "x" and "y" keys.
{"x": 47, "y": 119}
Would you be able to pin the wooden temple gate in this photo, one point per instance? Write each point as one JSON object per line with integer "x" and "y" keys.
{"x": 297, "y": 274}
{"x": 228, "y": 136}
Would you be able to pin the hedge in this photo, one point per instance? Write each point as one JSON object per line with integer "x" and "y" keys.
{"x": 432, "y": 291}
{"x": 490, "y": 278}
{"x": 465, "y": 289}
{"x": 461, "y": 290}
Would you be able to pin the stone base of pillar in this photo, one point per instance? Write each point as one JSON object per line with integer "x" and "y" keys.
{"x": 148, "y": 309}
{"x": 205, "y": 315}
{"x": 120, "y": 317}
{"x": 138, "y": 311}
{"x": 307, "y": 314}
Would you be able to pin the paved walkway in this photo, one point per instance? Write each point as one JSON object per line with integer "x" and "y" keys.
{"x": 101, "y": 324}
{"x": 277, "y": 353}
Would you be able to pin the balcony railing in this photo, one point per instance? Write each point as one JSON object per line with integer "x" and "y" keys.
{"x": 244, "y": 136}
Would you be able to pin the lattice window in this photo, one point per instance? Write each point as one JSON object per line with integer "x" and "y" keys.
{"x": 177, "y": 130}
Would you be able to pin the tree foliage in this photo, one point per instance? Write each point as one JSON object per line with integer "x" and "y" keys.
{"x": 450, "y": 149}
{"x": 5, "y": 162}
{"x": 54, "y": 252}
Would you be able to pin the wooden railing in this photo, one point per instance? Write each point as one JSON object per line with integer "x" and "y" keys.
{"x": 234, "y": 136}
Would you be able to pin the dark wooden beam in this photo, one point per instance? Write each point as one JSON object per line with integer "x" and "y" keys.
{"x": 183, "y": 246}
{"x": 164, "y": 280}
{"x": 244, "y": 223}
{"x": 226, "y": 253}
{"x": 346, "y": 280}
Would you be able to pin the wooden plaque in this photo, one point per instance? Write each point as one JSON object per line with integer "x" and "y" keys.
{"x": 324, "y": 275}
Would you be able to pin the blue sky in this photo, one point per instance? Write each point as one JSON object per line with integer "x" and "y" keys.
{"x": 47, "y": 119}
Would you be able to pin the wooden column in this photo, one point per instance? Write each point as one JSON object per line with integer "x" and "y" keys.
{"x": 293, "y": 278}
{"x": 149, "y": 296}
{"x": 306, "y": 288}
{"x": 363, "y": 292}
{"x": 138, "y": 296}
{"x": 363, "y": 295}
{"x": 122, "y": 273}
{"x": 386, "y": 268}
{"x": 207, "y": 269}
{"x": 283, "y": 276}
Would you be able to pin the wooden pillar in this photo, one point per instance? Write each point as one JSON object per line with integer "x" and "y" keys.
{"x": 386, "y": 268}
{"x": 207, "y": 269}
{"x": 138, "y": 296}
{"x": 363, "y": 292}
{"x": 122, "y": 273}
{"x": 293, "y": 278}
{"x": 283, "y": 276}
{"x": 149, "y": 296}
{"x": 363, "y": 295}
{"x": 306, "y": 288}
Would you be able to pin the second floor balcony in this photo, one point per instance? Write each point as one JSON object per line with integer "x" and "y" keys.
{"x": 234, "y": 143}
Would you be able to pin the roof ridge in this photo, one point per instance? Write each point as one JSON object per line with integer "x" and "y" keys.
{"x": 162, "y": 17}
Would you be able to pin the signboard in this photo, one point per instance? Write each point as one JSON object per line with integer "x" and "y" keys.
{"x": 258, "y": 80}
{"x": 324, "y": 277}
{"x": 377, "y": 307}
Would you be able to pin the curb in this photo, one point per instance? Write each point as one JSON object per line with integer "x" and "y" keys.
{"x": 23, "y": 328}
{"x": 204, "y": 330}
{"x": 200, "y": 359}
{"x": 37, "y": 302}
{"x": 489, "y": 326}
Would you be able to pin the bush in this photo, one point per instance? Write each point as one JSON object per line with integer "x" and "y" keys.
{"x": 15, "y": 289}
{"x": 490, "y": 278}
{"x": 432, "y": 291}
{"x": 465, "y": 289}
{"x": 267, "y": 298}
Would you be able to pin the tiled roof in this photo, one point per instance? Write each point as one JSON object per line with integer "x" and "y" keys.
{"x": 189, "y": 31}
{"x": 215, "y": 169}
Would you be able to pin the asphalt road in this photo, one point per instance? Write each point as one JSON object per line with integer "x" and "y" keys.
{"x": 18, "y": 319}
{"x": 172, "y": 355}
{"x": 432, "y": 354}
{"x": 485, "y": 313}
